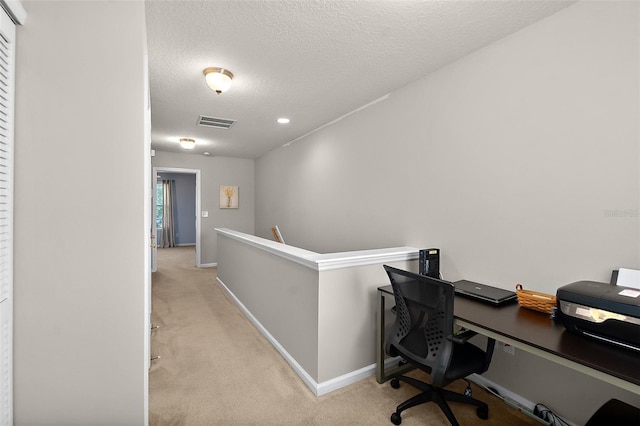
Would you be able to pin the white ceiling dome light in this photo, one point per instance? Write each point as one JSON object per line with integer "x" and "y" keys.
{"x": 187, "y": 143}
{"x": 218, "y": 79}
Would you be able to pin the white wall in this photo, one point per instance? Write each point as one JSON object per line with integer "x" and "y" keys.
{"x": 347, "y": 309}
{"x": 281, "y": 295}
{"x": 520, "y": 161}
{"x": 217, "y": 171}
{"x": 80, "y": 155}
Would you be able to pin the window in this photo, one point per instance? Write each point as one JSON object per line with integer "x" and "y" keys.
{"x": 159, "y": 205}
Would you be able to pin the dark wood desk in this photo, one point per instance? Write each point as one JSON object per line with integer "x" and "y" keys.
{"x": 536, "y": 333}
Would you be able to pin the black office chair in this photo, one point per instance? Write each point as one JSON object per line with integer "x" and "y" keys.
{"x": 422, "y": 334}
{"x": 615, "y": 412}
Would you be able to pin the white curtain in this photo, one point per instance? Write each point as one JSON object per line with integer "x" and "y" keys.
{"x": 168, "y": 239}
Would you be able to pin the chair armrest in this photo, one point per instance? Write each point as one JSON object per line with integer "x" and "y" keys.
{"x": 462, "y": 336}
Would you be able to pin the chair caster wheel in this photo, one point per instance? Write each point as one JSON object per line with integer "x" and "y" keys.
{"x": 395, "y": 419}
{"x": 483, "y": 413}
{"x": 395, "y": 383}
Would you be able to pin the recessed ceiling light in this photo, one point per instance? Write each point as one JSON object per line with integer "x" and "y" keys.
{"x": 206, "y": 153}
{"x": 283, "y": 120}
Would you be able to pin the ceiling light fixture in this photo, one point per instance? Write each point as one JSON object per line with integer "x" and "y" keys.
{"x": 187, "y": 143}
{"x": 218, "y": 79}
{"x": 283, "y": 120}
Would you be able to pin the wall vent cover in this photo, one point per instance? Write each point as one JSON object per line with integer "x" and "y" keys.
{"x": 219, "y": 123}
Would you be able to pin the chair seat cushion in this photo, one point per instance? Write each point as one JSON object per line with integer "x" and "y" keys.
{"x": 467, "y": 358}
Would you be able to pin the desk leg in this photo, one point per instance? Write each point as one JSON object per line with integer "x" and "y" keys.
{"x": 380, "y": 336}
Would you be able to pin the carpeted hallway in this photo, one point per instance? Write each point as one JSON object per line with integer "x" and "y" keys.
{"x": 217, "y": 369}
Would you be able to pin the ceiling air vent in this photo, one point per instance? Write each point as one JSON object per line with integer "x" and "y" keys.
{"x": 220, "y": 123}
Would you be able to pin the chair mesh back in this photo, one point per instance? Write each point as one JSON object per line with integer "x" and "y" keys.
{"x": 429, "y": 318}
{"x": 424, "y": 304}
{"x": 434, "y": 332}
{"x": 402, "y": 312}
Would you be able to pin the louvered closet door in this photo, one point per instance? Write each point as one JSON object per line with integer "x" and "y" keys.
{"x": 6, "y": 172}
{"x": 7, "y": 67}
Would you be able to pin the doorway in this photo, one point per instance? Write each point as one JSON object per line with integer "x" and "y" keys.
{"x": 158, "y": 171}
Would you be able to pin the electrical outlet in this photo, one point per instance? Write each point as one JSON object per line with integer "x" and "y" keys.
{"x": 508, "y": 349}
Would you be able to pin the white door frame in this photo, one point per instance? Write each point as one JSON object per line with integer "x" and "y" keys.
{"x": 198, "y": 204}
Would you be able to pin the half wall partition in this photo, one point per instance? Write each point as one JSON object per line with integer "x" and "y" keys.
{"x": 318, "y": 310}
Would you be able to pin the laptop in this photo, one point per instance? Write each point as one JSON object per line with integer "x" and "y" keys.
{"x": 485, "y": 293}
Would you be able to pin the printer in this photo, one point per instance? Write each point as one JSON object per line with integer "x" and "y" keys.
{"x": 607, "y": 312}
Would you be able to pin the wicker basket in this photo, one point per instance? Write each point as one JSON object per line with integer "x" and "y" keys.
{"x": 535, "y": 300}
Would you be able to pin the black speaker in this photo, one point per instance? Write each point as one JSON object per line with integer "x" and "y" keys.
{"x": 429, "y": 262}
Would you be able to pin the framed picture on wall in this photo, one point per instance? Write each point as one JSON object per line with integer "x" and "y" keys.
{"x": 228, "y": 197}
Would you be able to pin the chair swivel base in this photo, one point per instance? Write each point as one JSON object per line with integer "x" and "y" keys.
{"x": 439, "y": 396}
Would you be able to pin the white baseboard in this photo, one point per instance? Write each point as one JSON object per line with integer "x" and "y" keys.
{"x": 318, "y": 389}
{"x": 306, "y": 378}
{"x": 208, "y": 265}
{"x": 513, "y": 399}
{"x": 502, "y": 391}
{"x": 345, "y": 380}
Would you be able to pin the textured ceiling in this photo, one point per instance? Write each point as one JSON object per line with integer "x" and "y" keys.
{"x": 310, "y": 61}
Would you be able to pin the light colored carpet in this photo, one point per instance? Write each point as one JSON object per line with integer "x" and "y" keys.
{"x": 217, "y": 369}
